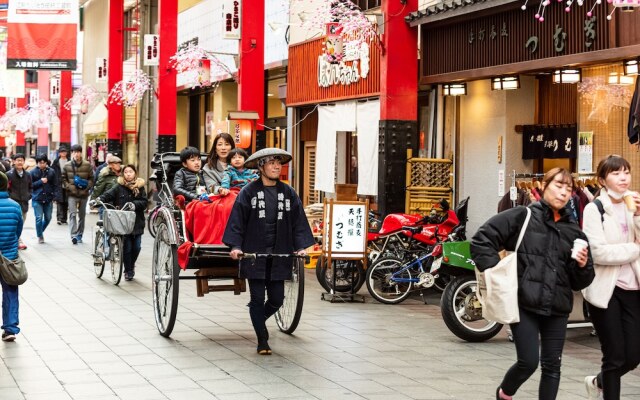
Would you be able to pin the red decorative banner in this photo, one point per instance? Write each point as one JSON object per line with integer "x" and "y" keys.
{"x": 42, "y": 34}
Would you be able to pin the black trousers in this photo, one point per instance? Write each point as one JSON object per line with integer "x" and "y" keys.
{"x": 259, "y": 309}
{"x": 62, "y": 209}
{"x": 539, "y": 339}
{"x": 618, "y": 328}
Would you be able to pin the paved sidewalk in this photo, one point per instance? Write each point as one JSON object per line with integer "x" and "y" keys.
{"x": 84, "y": 338}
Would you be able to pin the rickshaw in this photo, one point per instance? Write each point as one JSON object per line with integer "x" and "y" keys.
{"x": 211, "y": 262}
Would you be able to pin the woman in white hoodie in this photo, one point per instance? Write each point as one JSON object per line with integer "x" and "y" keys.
{"x": 614, "y": 295}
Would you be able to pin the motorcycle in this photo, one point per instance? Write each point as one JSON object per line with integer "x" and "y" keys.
{"x": 461, "y": 310}
{"x": 394, "y": 238}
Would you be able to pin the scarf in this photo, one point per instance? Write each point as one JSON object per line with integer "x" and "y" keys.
{"x": 133, "y": 185}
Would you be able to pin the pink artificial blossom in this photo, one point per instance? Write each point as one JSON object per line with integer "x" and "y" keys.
{"x": 85, "y": 94}
{"x": 130, "y": 91}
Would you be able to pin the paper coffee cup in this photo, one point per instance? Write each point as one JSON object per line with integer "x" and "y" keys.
{"x": 630, "y": 202}
{"x": 578, "y": 245}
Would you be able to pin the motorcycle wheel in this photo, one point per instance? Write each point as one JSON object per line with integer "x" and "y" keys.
{"x": 382, "y": 287}
{"x": 459, "y": 314}
{"x": 343, "y": 278}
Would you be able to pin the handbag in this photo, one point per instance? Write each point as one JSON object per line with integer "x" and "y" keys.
{"x": 498, "y": 286}
{"x": 13, "y": 272}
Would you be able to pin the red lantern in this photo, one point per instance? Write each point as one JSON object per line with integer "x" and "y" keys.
{"x": 242, "y": 131}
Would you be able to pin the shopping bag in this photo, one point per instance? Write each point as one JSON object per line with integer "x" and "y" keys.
{"x": 14, "y": 272}
{"x": 497, "y": 288}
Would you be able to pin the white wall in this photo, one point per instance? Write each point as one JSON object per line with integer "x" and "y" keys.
{"x": 299, "y": 31}
{"x": 96, "y": 33}
{"x": 484, "y": 116}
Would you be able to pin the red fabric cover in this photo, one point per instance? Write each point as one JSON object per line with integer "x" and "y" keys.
{"x": 205, "y": 223}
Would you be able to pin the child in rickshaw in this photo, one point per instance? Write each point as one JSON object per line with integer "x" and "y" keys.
{"x": 236, "y": 175}
{"x": 189, "y": 180}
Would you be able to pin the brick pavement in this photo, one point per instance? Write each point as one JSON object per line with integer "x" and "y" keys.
{"x": 84, "y": 338}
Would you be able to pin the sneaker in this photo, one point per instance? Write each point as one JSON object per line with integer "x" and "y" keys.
{"x": 74, "y": 240}
{"x": 59, "y": 222}
{"x": 41, "y": 239}
{"x": 593, "y": 391}
{"x": 79, "y": 239}
{"x": 21, "y": 245}
{"x": 8, "y": 337}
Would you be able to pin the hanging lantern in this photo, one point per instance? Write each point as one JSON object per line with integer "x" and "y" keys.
{"x": 626, "y": 5}
{"x": 242, "y": 131}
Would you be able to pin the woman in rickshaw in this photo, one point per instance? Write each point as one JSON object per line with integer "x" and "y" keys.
{"x": 217, "y": 161}
{"x": 267, "y": 217}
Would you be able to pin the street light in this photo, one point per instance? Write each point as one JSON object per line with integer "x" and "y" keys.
{"x": 505, "y": 83}
{"x": 454, "y": 89}
{"x": 567, "y": 75}
{"x": 631, "y": 66}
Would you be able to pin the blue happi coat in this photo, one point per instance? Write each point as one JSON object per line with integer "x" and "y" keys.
{"x": 246, "y": 230}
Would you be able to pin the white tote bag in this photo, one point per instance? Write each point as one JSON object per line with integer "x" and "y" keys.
{"x": 498, "y": 286}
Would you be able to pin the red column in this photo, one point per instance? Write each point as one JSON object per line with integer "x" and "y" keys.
{"x": 66, "y": 92}
{"x": 251, "y": 70}
{"x": 3, "y": 109}
{"x": 43, "y": 131}
{"x": 116, "y": 58}
{"x": 398, "y": 103}
{"x": 167, "y": 96}
{"x": 21, "y": 144}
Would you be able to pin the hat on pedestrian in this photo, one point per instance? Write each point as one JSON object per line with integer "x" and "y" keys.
{"x": 63, "y": 148}
{"x": 114, "y": 160}
{"x": 261, "y": 157}
{"x": 4, "y": 182}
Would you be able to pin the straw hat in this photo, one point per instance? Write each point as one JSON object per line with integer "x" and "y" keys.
{"x": 252, "y": 161}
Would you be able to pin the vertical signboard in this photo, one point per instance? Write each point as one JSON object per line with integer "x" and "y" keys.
{"x": 54, "y": 88}
{"x": 151, "y": 51}
{"x": 101, "y": 69}
{"x": 231, "y": 19}
{"x": 42, "y": 34}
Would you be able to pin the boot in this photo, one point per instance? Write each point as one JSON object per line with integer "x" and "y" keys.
{"x": 263, "y": 344}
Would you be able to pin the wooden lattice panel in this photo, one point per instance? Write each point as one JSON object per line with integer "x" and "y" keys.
{"x": 428, "y": 181}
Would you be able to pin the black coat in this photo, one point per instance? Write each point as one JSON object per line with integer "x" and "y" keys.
{"x": 119, "y": 195}
{"x": 20, "y": 188}
{"x": 546, "y": 272}
{"x": 246, "y": 231}
{"x": 186, "y": 182}
{"x": 61, "y": 193}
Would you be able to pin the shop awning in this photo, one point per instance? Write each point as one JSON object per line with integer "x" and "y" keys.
{"x": 96, "y": 122}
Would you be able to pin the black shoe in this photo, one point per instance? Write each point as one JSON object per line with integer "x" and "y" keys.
{"x": 59, "y": 222}
{"x": 128, "y": 276}
{"x": 263, "y": 348}
{"x": 10, "y": 337}
{"x": 74, "y": 240}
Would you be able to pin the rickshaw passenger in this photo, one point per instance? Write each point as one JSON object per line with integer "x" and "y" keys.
{"x": 217, "y": 161}
{"x": 267, "y": 217}
{"x": 189, "y": 180}
{"x": 236, "y": 175}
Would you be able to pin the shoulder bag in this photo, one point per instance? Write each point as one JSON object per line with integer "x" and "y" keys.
{"x": 14, "y": 272}
{"x": 498, "y": 286}
{"x": 79, "y": 182}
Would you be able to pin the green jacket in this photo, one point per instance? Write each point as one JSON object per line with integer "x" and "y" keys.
{"x": 84, "y": 171}
{"x": 106, "y": 180}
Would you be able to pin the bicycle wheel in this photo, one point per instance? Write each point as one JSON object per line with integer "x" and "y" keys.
{"x": 288, "y": 316}
{"x": 98, "y": 253}
{"x": 344, "y": 270}
{"x": 382, "y": 281}
{"x": 151, "y": 222}
{"x": 115, "y": 257}
{"x": 165, "y": 284}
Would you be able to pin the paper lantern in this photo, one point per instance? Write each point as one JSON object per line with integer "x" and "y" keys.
{"x": 242, "y": 132}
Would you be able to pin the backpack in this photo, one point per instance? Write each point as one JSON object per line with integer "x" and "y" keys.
{"x": 598, "y": 204}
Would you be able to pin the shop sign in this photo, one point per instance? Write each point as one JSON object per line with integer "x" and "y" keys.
{"x": 200, "y": 76}
{"x": 34, "y": 97}
{"x": 549, "y": 141}
{"x": 101, "y": 69}
{"x": 151, "y": 50}
{"x": 54, "y": 88}
{"x": 585, "y": 152}
{"x": 345, "y": 72}
{"x": 231, "y": 19}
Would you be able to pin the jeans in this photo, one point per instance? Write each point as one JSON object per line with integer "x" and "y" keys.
{"x": 132, "y": 245}
{"x": 547, "y": 350}
{"x": 10, "y": 306}
{"x": 259, "y": 310}
{"x": 43, "y": 216}
{"x": 77, "y": 207}
{"x": 618, "y": 328}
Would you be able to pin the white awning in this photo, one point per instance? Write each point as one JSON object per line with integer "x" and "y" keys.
{"x": 96, "y": 122}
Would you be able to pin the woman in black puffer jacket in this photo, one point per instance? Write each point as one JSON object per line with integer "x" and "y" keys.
{"x": 546, "y": 277}
{"x": 130, "y": 189}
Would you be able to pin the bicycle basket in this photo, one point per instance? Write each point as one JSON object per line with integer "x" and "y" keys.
{"x": 119, "y": 222}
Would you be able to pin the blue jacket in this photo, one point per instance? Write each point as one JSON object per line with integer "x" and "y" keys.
{"x": 43, "y": 192}
{"x": 232, "y": 178}
{"x": 11, "y": 226}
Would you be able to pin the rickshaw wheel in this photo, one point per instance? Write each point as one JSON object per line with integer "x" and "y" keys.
{"x": 288, "y": 316}
{"x": 117, "y": 249}
{"x": 165, "y": 280}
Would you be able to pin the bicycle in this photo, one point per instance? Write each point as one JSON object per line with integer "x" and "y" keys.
{"x": 107, "y": 239}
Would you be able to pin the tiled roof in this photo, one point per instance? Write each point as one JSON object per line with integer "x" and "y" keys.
{"x": 434, "y": 11}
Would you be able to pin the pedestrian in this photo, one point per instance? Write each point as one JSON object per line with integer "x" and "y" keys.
{"x": 267, "y": 217}
{"x": 78, "y": 180}
{"x": 129, "y": 189}
{"x": 20, "y": 188}
{"x": 189, "y": 180}
{"x": 546, "y": 277}
{"x": 236, "y": 175}
{"x": 10, "y": 230}
{"x": 102, "y": 166}
{"x": 62, "y": 206}
{"x": 613, "y": 299}
{"x": 44, "y": 191}
{"x": 217, "y": 161}
{"x": 107, "y": 179}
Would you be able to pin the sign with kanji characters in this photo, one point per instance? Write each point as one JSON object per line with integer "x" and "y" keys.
{"x": 543, "y": 141}
{"x": 101, "y": 69}
{"x": 151, "y": 50}
{"x": 42, "y": 34}
{"x": 346, "y": 235}
{"x": 231, "y": 17}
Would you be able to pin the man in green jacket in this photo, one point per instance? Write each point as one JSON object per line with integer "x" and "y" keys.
{"x": 77, "y": 176}
{"x": 107, "y": 178}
